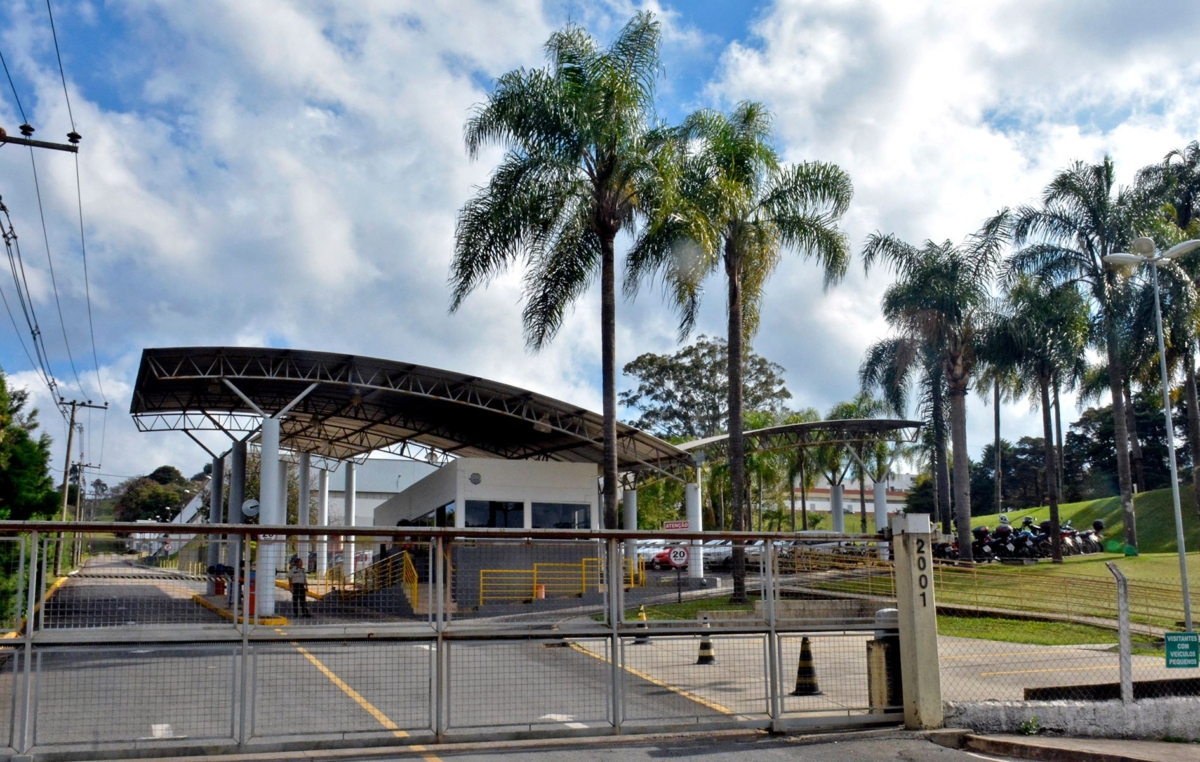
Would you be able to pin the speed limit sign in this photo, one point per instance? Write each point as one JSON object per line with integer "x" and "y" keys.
{"x": 679, "y": 555}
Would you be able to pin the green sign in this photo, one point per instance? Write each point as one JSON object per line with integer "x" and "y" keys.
{"x": 1183, "y": 650}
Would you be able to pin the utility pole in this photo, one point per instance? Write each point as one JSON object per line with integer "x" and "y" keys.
{"x": 75, "y": 405}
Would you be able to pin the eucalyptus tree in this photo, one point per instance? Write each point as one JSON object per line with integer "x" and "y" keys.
{"x": 1036, "y": 334}
{"x": 1083, "y": 217}
{"x": 578, "y": 145}
{"x": 730, "y": 205}
{"x": 893, "y": 366}
{"x": 941, "y": 299}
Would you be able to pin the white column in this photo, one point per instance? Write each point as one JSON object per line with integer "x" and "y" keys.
{"x": 696, "y": 558}
{"x": 835, "y": 508}
{"x": 348, "y": 518}
{"x": 303, "y": 513}
{"x": 629, "y": 513}
{"x": 323, "y": 521}
{"x": 268, "y": 498}
{"x": 283, "y": 492}
{"x": 460, "y": 499}
{"x": 880, "y": 497}
{"x": 528, "y": 522}
{"x": 918, "y": 622}
{"x": 216, "y": 515}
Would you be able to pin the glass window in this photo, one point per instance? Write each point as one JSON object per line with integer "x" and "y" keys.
{"x": 495, "y": 514}
{"x": 562, "y": 516}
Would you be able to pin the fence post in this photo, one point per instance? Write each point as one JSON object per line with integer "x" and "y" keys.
{"x": 768, "y": 593}
{"x": 1123, "y": 633}
{"x": 27, "y": 713}
{"x": 441, "y": 664}
{"x": 615, "y": 588}
{"x": 919, "y": 666}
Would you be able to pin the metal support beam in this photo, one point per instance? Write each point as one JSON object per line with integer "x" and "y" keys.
{"x": 348, "y": 519}
{"x": 216, "y": 515}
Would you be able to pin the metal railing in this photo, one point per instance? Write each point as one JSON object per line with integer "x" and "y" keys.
{"x": 121, "y": 654}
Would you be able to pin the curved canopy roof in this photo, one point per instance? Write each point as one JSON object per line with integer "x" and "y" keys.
{"x": 813, "y": 434}
{"x": 343, "y": 407}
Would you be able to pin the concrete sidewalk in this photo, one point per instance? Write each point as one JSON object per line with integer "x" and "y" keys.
{"x": 1063, "y": 749}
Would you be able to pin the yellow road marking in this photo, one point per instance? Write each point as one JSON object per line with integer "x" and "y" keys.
{"x": 361, "y": 700}
{"x": 1054, "y": 669}
{"x": 655, "y": 681}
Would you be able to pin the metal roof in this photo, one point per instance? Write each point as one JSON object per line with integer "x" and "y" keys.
{"x": 813, "y": 434}
{"x": 355, "y": 405}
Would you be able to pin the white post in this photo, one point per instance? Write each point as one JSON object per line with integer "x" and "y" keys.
{"x": 348, "y": 518}
{"x": 302, "y": 516}
{"x": 835, "y": 509}
{"x": 918, "y": 622}
{"x": 629, "y": 514}
{"x": 216, "y": 515}
{"x": 283, "y": 492}
{"x": 880, "y": 497}
{"x": 269, "y": 514}
{"x": 696, "y": 558}
{"x": 322, "y": 521}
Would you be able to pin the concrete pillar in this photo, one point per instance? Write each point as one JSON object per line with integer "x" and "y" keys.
{"x": 283, "y": 492}
{"x": 303, "y": 515}
{"x": 348, "y": 518}
{"x": 216, "y": 515}
{"x": 691, "y": 502}
{"x": 879, "y": 496}
{"x": 835, "y": 508}
{"x": 323, "y": 521}
{"x": 919, "y": 666}
{"x": 630, "y": 517}
{"x": 269, "y": 552}
{"x": 237, "y": 496}
{"x": 460, "y": 500}
{"x": 528, "y": 522}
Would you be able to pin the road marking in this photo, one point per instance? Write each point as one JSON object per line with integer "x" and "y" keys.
{"x": 655, "y": 681}
{"x": 367, "y": 706}
{"x": 1054, "y": 669}
{"x": 565, "y": 719}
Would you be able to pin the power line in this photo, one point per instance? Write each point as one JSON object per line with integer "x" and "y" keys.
{"x": 87, "y": 288}
{"x": 14, "y": 89}
{"x": 61, "y": 73}
{"x": 53, "y": 280}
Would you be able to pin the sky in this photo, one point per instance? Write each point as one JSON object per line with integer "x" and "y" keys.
{"x": 265, "y": 173}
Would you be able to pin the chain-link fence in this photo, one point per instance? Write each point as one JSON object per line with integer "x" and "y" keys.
{"x": 188, "y": 640}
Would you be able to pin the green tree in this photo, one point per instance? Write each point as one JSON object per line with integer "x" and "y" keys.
{"x": 730, "y": 205}
{"x": 940, "y": 300}
{"x": 578, "y": 146}
{"x": 158, "y": 496}
{"x": 685, "y": 395}
{"x": 1082, "y": 218}
{"x": 26, "y": 488}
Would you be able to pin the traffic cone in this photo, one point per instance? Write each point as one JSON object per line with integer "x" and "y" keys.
{"x": 643, "y": 638}
{"x": 806, "y": 673}
{"x": 707, "y": 655}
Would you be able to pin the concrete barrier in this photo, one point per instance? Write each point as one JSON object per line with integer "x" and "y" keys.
{"x": 1153, "y": 719}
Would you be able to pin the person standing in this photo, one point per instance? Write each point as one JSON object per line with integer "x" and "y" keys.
{"x": 299, "y": 582}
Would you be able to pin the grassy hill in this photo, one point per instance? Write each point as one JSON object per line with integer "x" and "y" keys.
{"x": 1155, "y": 518}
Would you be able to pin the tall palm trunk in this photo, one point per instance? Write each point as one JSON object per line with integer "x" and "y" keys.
{"x": 608, "y": 352}
{"x": 1051, "y": 470}
{"x": 1193, "y": 419}
{"x": 1120, "y": 431}
{"x": 803, "y": 492}
{"x": 962, "y": 476}
{"x": 1058, "y": 433}
{"x": 999, "y": 460}
{"x": 940, "y": 466}
{"x": 737, "y": 449}
{"x": 862, "y": 493}
{"x": 792, "y": 499}
{"x": 1135, "y": 444}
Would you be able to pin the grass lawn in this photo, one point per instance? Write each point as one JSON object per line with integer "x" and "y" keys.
{"x": 1033, "y": 633}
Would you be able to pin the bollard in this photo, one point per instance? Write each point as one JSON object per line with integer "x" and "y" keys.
{"x": 885, "y": 688}
{"x": 643, "y": 638}
{"x": 806, "y": 672}
{"x": 707, "y": 654}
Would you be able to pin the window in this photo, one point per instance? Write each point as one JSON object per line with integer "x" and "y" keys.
{"x": 495, "y": 514}
{"x": 562, "y": 516}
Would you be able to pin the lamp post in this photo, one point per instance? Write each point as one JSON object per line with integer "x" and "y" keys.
{"x": 1144, "y": 253}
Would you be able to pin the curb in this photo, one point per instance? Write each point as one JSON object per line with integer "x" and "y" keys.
{"x": 269, "y": 621}
{"x": 1031, "y": 749}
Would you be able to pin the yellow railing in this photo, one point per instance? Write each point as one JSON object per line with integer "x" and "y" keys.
{"x": 412, "y": 585}
{"x": 544, "y": 580}
{"x": 635, "y": 572}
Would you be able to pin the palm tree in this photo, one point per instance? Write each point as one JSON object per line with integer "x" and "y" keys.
{"x": 1036, "y": 335}
{"x": 1083, "y": 218}
{"x": 732, "y": 206}
{"x": 578, "y": 146}
{"x": 891, "y": 365}
{"x": 941, "y": 299}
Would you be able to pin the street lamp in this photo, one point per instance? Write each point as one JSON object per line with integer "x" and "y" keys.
{"x": 1144, "y": 253}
